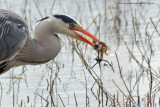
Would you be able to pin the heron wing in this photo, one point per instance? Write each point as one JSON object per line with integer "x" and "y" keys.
{"x": 13, "y": 34}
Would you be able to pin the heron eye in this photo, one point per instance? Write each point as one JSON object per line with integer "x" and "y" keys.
{"x": 72, "y": 25}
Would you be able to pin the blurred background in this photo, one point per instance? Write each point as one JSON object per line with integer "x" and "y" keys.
{"x": 130, "y": 75}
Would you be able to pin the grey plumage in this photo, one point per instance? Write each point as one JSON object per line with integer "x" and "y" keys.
{"x": 17, "y": 47}
{"x": 11, "y": 40}
{"x": 13, "y": 35}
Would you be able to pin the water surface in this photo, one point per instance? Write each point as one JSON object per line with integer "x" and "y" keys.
{"x": 67, "y": 70}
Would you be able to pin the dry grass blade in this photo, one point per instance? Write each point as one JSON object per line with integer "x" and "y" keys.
{"x": 155, "y": 26}
{"x": 61, "y": 100}
{"x": 86, "y": 88}
{"x": 91, "y": 71}
{"x": 52, "y": 6}
{"x": 140, "y": 64}
{"x": 42, "y": 97}
{"x": 120, "y": 70}
{"x": 38, "y": 9}
{"x": 50, "y": 92}
{"x": 75, "y": 99}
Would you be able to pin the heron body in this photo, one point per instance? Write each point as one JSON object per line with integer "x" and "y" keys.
{"x": 17, "y": 47}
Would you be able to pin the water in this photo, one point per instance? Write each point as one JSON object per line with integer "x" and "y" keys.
{"x": 29, "y": 85}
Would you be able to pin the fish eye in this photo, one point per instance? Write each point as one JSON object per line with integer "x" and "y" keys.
{"x": 19, "y": 26}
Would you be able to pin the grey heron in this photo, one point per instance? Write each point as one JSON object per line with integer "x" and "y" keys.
{"x": 18, "y": 48}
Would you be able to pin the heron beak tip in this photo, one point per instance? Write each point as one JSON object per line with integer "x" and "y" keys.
{"x": 84, "y": 31}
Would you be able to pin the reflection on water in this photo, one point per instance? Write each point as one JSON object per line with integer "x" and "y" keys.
{"x": 31, "y": 85}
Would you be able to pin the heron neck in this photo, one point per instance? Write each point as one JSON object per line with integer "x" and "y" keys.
{"x": 35, "y": 51}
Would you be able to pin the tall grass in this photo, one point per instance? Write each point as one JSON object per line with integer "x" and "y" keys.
{"x": 124, "y": 29}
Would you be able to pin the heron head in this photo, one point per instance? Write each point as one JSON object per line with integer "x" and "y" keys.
{"x": 67, "y": 25}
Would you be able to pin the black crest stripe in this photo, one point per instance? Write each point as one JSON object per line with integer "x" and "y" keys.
{"x": 65, "y": 18}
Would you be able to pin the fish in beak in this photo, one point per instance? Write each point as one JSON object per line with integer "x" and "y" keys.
{"x": 96, "y": 44}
